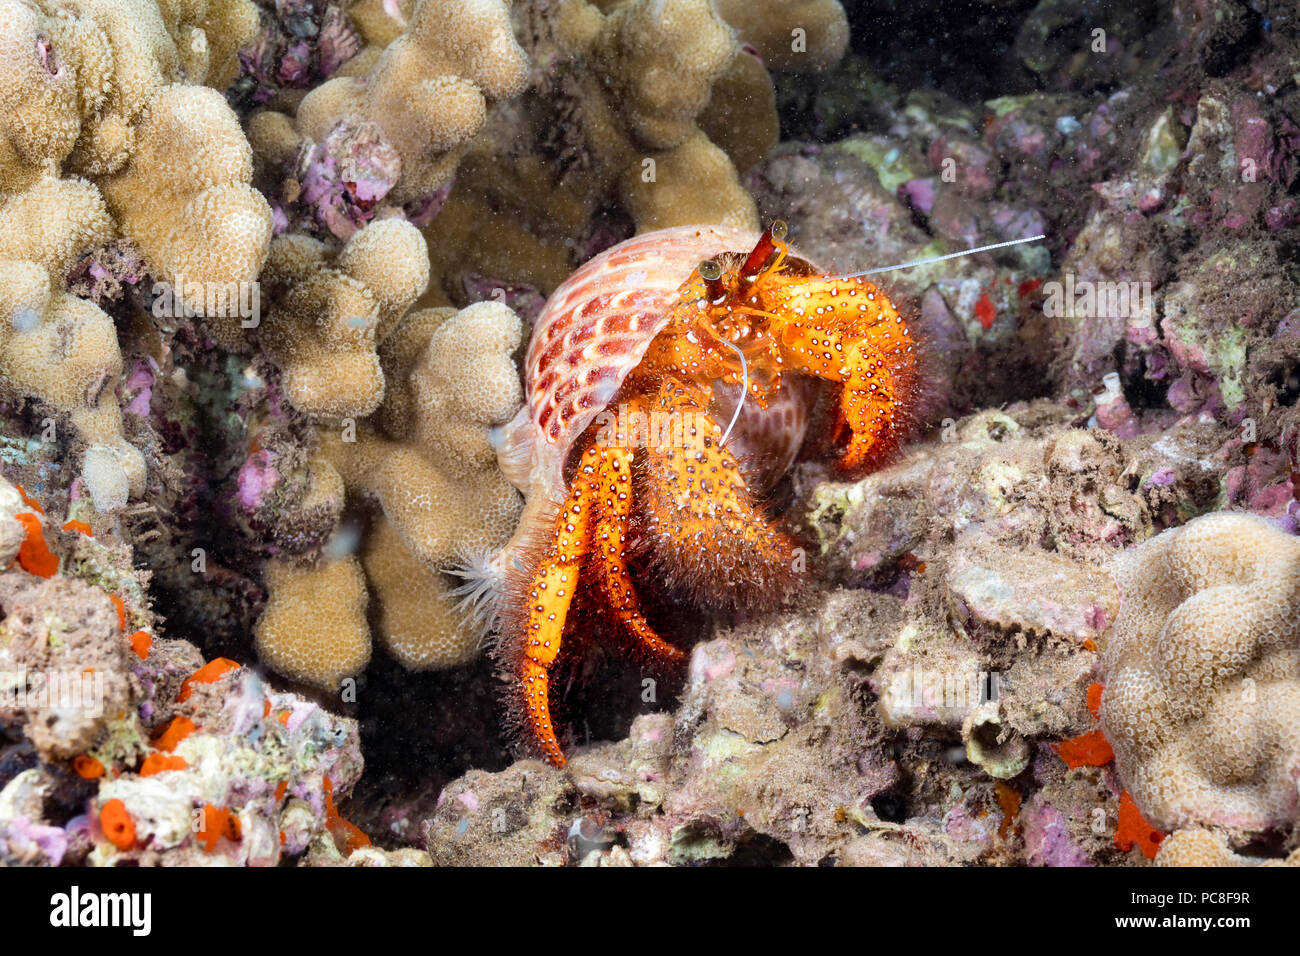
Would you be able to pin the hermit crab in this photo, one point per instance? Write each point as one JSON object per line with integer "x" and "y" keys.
{"x": 670, "y": 382}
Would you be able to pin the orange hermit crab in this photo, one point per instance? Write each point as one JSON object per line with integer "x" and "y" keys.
{"x": 670, "y": 381}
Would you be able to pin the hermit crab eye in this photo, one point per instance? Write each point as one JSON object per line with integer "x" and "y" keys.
{"x": 779, "y": 229}
{"x": 711, "y": 272}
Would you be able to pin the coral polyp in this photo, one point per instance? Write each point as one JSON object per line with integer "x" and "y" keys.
{"x": 667, "y": 413}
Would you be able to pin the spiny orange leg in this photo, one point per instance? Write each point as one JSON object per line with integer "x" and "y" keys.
{"x": 594, "y": 516}
{"x": 549, "y": 598}
{"x": 610, "y": 544}
{"x": 847, "y": 331}
{"x": 613, "y": 511}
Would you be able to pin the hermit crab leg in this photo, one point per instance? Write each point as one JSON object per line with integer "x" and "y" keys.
{"x": 550, "y": 594}
{"x": 615, "y": 511}
{"x": 592, "y": 525}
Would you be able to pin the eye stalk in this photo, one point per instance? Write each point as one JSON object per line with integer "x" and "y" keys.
{"x": 772, "y": 241}
{"x": 711, "y": 273}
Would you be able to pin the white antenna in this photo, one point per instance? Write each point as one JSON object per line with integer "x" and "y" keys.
{"x": 744, "y": 390}
{"x": 951, "y": 255}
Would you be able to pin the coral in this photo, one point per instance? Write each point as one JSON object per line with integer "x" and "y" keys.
{"x": 419, "y": 621}
{"x": 329, "y": 312}
{"x": 185, "y": 198}
{"x": 54, "y": 345}
{"x": 108, "y": 93}
{"x": 427, "y": 459}
{"x": 649, "y": 69}
{"x": 423, "y": 93}
{"x": 314, "y": 626}
{"x": 106, "y": 135}
{"x": 770, "y": 24}
{"x": 431, "y": 463}
{"x": 1201, "y": 702}
{"x": 638, "y": 110}
{"x": 1195, "y": 847}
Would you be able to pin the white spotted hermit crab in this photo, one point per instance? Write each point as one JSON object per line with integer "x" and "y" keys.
{"x": 670, "y": 382}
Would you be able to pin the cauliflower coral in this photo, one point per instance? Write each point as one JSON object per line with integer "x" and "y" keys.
{"x": 106, "y": 134}
{"x": 330, "y": 311}
{"x": 427, "y": 459}
{"x": 796, "y": 35}
{"x": 391, "y": 126}
{"x": 647, "y": 70}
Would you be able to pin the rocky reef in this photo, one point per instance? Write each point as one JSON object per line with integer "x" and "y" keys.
{"x": 268, "y": 270}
